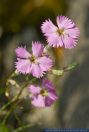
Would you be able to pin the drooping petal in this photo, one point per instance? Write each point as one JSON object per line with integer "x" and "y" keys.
{"x": 23, "y": 66}
{"x": 52, "y": 95}
{"x": 37, "y": 71}
{"x": 34, "y": 89}
{"x": 49, "y": 101}
{"x": 69, "y": 42}
{"x": 22, "y": 52}
{"x": 37, "y": 49}
{"x": 48, "y": 27}
{"x": 45, "y": 63}
{"x": 64, "y": 22}
{"x": 38, "y": 101}
{"x": 47, "y": 84}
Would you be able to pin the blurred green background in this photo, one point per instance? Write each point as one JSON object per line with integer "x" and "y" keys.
{"x": 22, "y": 19}
{"x": 20, "y": 22}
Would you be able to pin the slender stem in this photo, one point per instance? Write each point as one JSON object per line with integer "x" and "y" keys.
{"x": 17, "y": 118}
{"x": 7, "y": 115}
{"x": 12, "y": 82}
{"x": 11, "y": 76}
{"x": 5, "y": 106}
{"x": 23, "y": 127}
{"x": 15, "y": 99}
{"x": 17, "y": 96}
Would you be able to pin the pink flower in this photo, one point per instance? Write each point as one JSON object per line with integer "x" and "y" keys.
{"x": 36, "y": 63}
{"x": 43, "y": 96}
{"x": 65, "y": 34}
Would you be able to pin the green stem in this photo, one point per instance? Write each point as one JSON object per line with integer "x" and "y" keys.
{"x": 17, "y": 96}
{"x": 7, "y": 115}
{"x": 5, "y": 106}
{"x": 11, "y": 76}
{"x": 9, "y": 103}
{"x": 23, "y": 127}
{"x": 17, "y": 118}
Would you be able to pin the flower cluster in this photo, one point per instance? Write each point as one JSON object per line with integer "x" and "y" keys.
{"x": 38, "y": 63}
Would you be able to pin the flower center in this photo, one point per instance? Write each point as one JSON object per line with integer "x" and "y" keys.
{"x": 44, "y": 92}
{"x": 60, "y": 31}
{"x": 32, "y": 59}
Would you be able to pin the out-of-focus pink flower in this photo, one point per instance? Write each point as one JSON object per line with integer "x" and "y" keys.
{"x": 36, "y": 63}
{"x": 65, "y": 34}
{"x": 43, "y": 96}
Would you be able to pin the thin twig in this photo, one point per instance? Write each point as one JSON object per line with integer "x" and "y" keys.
{"x": 23, "y": 127}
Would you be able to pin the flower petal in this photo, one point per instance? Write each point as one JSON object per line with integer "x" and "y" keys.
{"x": 34, "y": 89}
{"x": 69, "y": 42}
{"x": 38, "y": 101}
{"x": 64, "y": 22}
{"x": 49, "y": 101}
{"x": 37, "y": 49}
{"x": 45, "y": 63}
{"x": 36, "y": 71}
{"x": 55, "y": 40}
{"x": 48, "y": 27}
{"x": 73, "y": 32}
{"x": 47, "y": 84}
{"x": 23, "y": 66}
{"x": 22, "y": 52}
{"x": 53, "y": 95}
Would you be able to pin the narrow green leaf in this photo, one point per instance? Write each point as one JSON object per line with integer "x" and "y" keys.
{"x": 72, "y": 66}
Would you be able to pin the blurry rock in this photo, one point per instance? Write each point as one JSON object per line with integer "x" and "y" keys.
{"x": 74, "y": 101}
